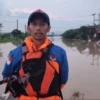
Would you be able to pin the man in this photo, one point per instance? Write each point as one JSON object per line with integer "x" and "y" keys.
{"x": 41, "y": 66}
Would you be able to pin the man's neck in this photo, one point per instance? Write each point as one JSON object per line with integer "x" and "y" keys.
{"x": 38, "y": 43}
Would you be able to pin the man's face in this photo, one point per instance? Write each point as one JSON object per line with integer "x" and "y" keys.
{"x": 38, "y": 29}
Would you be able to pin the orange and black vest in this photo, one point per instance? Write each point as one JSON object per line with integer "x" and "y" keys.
{"x": 44, "y": 74}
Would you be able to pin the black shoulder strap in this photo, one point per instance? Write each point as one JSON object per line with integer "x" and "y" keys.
{"x": 49, "y": 47}
{"x": 46, "y": 50}
{"x": 24, "y": 48}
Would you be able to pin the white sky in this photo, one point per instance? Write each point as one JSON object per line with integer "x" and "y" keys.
{"x": 64, "y": 14}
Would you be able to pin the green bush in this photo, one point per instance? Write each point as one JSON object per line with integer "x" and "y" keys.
{"x": 81, "y": 33}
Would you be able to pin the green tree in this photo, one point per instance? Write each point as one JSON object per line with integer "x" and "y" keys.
{"x": 84, "y": 32}
{"x": 81, "y": 33}
{"x": 16, "y": 32}
{"x": 0, "y": 26}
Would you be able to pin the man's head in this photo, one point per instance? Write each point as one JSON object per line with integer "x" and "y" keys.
{"x": 38, "y": 25}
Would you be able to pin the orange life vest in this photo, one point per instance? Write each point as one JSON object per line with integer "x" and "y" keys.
{"x": 44, "y": 77}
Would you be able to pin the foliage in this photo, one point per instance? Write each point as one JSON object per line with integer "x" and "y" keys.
{"x": 81, "y": 33}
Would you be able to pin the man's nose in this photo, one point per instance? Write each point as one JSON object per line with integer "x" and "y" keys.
{"x": 38, "y": 27}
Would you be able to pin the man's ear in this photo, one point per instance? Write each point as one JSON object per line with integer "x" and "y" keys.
{"x": 28, "y": 29}
{"x": 49, "y": 28}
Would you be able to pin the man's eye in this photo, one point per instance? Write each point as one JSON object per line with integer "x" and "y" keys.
{"x": 34, "y": 24}
{"x": 43, "y": 24}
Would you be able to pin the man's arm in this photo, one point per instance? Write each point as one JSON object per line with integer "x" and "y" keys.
{"x": 13, "y": 62}
{"x": 64, "y": 69}
{"x": 8, "y": 66}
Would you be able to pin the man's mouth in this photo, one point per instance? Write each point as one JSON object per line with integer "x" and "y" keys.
{"x": 39, "y": 34}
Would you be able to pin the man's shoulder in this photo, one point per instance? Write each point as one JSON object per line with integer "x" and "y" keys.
{"x": 16, "y": 51}
{"x": 57, "y": 48}
{"x": 58, "y": 52}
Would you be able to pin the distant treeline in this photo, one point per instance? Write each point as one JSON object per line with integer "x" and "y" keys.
{"x": 15, "y": 35}
{"x": 81, "y": 33}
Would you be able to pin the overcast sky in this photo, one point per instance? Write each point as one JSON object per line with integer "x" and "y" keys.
{"x": 64, "y": 14}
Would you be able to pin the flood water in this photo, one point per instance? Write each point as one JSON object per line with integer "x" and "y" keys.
{"x": 84, "y": 67}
